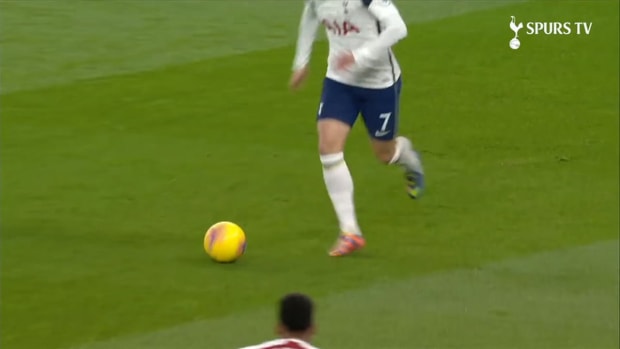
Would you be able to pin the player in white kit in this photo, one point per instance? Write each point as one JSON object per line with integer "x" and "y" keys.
{"x": 296, "y": 324}
{"x": 363, "y": 77}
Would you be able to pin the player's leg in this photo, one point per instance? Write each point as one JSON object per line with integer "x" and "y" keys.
{"x": 400, "y": 151}
{"x": 337, "y": 113}
{"x": 381, "y": 113}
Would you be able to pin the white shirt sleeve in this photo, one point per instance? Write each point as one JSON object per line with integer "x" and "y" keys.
{"x": 394, "y": 30}
{"x": 308, "y": 27}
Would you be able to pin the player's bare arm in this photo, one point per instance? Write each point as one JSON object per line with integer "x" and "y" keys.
{"x": 308, "y": 26}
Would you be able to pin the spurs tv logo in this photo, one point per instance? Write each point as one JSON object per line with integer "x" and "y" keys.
{"x": 547, "y": 28}
{"x": 515, "y": 43}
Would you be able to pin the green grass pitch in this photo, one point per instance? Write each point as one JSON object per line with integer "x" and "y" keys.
{"x": 128, "y": 127}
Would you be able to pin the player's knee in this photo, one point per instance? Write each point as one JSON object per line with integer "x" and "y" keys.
{"x": 329, "y": 148}
{"x": 332, "y": 136}
{"x": 331, "y": 143}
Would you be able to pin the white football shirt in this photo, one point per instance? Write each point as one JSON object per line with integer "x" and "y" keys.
{"x": 282, "y": 344}
{"x": 367, "y": 28}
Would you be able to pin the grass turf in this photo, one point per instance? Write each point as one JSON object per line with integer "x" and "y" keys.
{"x": 109, "y": 183}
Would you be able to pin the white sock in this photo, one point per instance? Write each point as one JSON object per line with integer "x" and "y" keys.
{"x": 339, "y": 185}
{"x": 405, "y": 156}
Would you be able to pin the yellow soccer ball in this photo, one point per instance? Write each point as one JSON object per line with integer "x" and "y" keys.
{"x": 225, "y": 242}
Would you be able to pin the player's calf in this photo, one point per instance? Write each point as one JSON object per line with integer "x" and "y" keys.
{"x": 384, "y": 150}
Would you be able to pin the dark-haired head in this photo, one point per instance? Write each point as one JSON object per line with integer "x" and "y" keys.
{"x": 296, "y": 316}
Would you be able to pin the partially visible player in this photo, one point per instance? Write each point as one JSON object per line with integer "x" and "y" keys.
{"x": 363, "y": 77}
{"x": 295, "y": 326}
